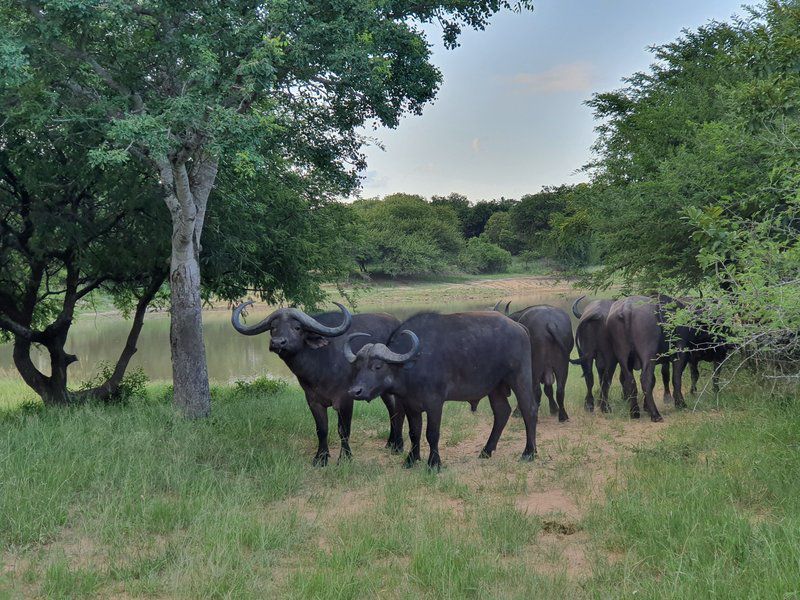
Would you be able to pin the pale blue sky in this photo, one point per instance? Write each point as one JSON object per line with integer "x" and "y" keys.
{"x": 509, "y": 117}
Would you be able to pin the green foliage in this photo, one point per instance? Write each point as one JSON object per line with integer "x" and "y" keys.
{"x": 704, "y": 128}
{"x": 481, "y": 212}
{"x": 696, "y": 186}
{"x": 480, "y": 256}
{"x": 260, "y": 386}
{"x": 133, "y": 384}
{"x": 289, "y": 244}
{"x": 406, "y": 235}
{"x": 460, "y": 205}
{"x": 499, "y": 230}
{"x": 531, "y": 215}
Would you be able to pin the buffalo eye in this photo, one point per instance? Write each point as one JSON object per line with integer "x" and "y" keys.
{"x": 297, "y": 327}
{"x": 378, "y": 366}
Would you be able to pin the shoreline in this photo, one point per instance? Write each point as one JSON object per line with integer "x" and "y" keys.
{"x": 390, "y": 292}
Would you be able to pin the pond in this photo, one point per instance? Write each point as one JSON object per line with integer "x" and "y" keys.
{"x": 231, "y": 356}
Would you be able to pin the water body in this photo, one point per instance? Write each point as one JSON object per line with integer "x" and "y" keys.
{"x": 231, "y": 356}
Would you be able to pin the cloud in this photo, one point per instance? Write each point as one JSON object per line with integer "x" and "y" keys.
{"x": 374, "y": 179}
{"x": 573, "y": 77}
{"x": 476, "y": 145}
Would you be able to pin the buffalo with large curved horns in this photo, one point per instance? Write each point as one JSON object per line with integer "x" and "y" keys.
{"x": 311, "y": 346}
{"x": 432, "y": 358}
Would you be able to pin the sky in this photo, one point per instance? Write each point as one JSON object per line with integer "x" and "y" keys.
{"x": 509, "y": 117}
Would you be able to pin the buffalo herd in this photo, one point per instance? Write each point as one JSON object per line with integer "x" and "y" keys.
{"x": 417, "y": 365}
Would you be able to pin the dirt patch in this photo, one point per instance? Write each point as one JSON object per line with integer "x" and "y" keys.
{"x": 567, "y": 553}
{"x": 548, "y": 502}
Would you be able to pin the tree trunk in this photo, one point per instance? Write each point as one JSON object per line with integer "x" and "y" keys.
{"x": 53, "y": 389}
{"x": 189, "y": 371}
{"x": 108, "y": 390}
{"x": 186, "y": 198}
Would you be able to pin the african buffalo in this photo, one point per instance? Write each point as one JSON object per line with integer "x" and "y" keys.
{"x": 313, "y": 349}
{"x": 551, "y": 344}
{"x": 703, "y": 346}
{"x": 594, "y": 347}
{"x": 433, "y": 358}
{"x": 641, "y": 337}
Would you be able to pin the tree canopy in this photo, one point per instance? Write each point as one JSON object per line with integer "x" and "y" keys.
{"x": 190, "y": 88}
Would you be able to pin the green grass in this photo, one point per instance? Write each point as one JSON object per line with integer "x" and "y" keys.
{"x": 714, "y": 511}
{"x": 133, "y": 500}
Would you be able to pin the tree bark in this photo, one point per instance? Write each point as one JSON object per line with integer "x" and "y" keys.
{"x": 186, "y": 198}
{"x": 53, "y": 389}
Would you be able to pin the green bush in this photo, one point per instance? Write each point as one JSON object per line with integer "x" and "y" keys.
{"x": 480, "y": 256}
{"x": 133, "y": 384}
{"x": 260, "y": 386}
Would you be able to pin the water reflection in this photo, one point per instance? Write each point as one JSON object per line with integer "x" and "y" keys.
{"x": 231, "y": 356}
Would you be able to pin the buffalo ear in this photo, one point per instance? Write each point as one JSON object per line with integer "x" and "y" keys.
{"x": 316, "y": 341}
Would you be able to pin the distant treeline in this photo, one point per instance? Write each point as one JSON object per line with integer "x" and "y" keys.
{"x": 408, "y": 235}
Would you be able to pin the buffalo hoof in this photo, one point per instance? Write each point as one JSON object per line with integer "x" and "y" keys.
{"x": 434, "y": 466}
{"x": 485, "y": 453}
{"x": 680, "y": 404}
{"x": 410, "y": 461}
{"x": 527, "y": 456}
{"x": 635, "y": 414}
{"x": 589, "y": 407}
{"x": 605, "y": 408}
{"x": 563, "y": 416}
{"x": 321, "y": 460}
{"x": 395, "y": 447}
{"x": 656, "y": 418}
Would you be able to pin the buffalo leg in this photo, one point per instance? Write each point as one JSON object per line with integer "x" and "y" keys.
{"x": 695, "y": 371}
{"x": 648, "y": 379}
{"x": 396, "y": 418}
{"x": 501, "y": 410}
{"x": 432, "y": 435}
{"x": 414, "y": 433}
{"x": 345, "y": 419}
{"x": 320, "y": 414}
{"x": 665, "y": 382}
{"x": 606, "y": 373}
{"x": 588, "y": 376}
{"x": 537, "y": 397}
{"x": 561, "y": 383}
{"x": 551, "y": 401}
{"x": 528, "y": 404}
{"x": 677, "y": 376}
{"x": 629, "y": 392}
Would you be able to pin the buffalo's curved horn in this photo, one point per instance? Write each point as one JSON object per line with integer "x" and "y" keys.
{"x": 575, "y": 307}
{"x": 382, "y": 352}
{"x": 348, "y": 351}
{"x": 254, "y": 329}
{"x": 507, "y": 305}
{"x": 311, "y": 324}
{"x": 497, "y": 306}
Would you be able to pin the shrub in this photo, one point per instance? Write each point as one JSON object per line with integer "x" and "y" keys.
{"x": 480, "y": 256}
{"x": 133, "y": 384}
